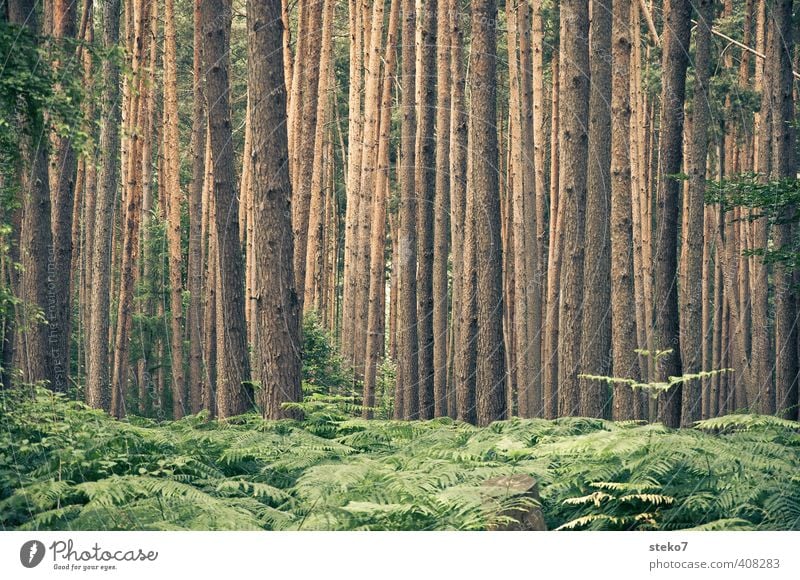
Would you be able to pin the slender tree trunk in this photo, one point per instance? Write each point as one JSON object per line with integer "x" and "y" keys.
{"x": 623, "y": 330}
{"x": 64, "y": 164}
{"x": 490, "y": 369}
{"x": 377, "y": 285}
{"x": 784, "y": 166}
{"x": 35, "y": 356}
{"x": 441, "y": 233}
{"x": 233, "y": 367}
{"x": 174, "y": 199}
{"x": 676, "y": 50}
{"x": 574, "y": 114}
{"x": 277, "y": 348}
{"x": 461, "y": 235}
{"x": 314, "y": 293}
{"x": 691, "y": 287}
{"x": 551, "y": 325}
{"x": 195, "y": 271}
{"x": 596, "y": 329}
{"x": 407, "y": 352}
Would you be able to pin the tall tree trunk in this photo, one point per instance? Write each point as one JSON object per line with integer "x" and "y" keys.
{"x": 461, "y": 235}
{"x": 35, "y": 356}
{"x": 784, "y": 166}
{"x": 315, "y": 283}
{"x": 173, "y": 217}
{"x": 691, "y": 339}
{"x": 623, "y": 330}
{"x": 233, "y": 367}
{"x": 574, "y": 117}
{"x": 377, "y": 284}
{"x": 425, "y": 186}
{"x": 97, "y": 374}
{"x": 441, "y": 232}
{"x": 490, "y": 371}
{"x": 407, "y": 352}
{"x": 195, "y": 266}
{"x": 64, "y": 165}
{"x": 303, "y": 155}
{"x": 677, "y": 25}
{"x": 551, "y": 325}
{"x": 277, "y": 347}
{"x": 596, "y": 329}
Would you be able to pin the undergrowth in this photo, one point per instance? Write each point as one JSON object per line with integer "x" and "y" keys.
{"x": 66, "y": 467}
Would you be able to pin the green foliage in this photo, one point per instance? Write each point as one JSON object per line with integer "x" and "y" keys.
{"x": 64, "y": 466}
{"x": 654, "y": 388}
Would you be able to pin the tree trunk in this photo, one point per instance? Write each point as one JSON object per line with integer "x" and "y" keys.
{"x": 692, "y": 243}
{"x": 596, "y": 326}
{"x": 623, "y": 330}
{"x": 490, "y": 371}
{"x": 784, "y": 166}
{"x": 195, "y": 272}
{"x": 574, "y": 117}
{"x": 677, "y": 25}
{"x": 407, "y": 351}
{"x": 233, "y": 367}
{"x": 277, "y": 347}
{"x": 174, "y": 199}
{"x": 441, "y": 233}
{"x": 64, "y": 164}
{"x": 377, "y": 285}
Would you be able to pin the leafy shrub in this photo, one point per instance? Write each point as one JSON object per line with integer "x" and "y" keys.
{"x": 64, "y": 466}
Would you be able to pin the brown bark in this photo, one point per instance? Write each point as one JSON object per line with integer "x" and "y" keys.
{"x": 675, "y": 59}
{"x": 407, "y": 352}
{"x": 233, "y": 367}
{"x": 173, "y": 217}
{"x": 784, "y": 166}
{"x": 691, "y": 286}
{"x": 195, "y": 271}
{"x": 277, "y": 347}
{"x": 35, "y": 358}
{"x": 441, "y": 232}
{"x": 596, "y": 325}
{"x": 623, "y": 330}
{"x": 574, "y": 115}
{"x": 377, "y": 285}
{"x": 63, "y": 169}
{"x": 490, "y": 368}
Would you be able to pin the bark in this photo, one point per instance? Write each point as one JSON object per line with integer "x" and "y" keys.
{"x": 195, "y": 271}
{"x": 425, "y": 186}
{"x": 462, "y": 236}
{"x": 34, "y": 354}
{"x": 441, "y": 232}
{"x": 233, "y": 367}
{"x": 625, "y": 362}
{"x": 691, "y": 287}
{"x": 354, "y": 153}
{"x": 675, "y": 59}
{"x": 377, "y": 287}
{"x": 490, "y": 368}
{"x": 407, "y": 351}
{"x": 303, "y": 154}
{"x": 277, "y": 347}
{"x": 314, "y": 293}
{"x": 174, "y": 199}
{"x": 574, "y": 116}
{"x": 596, "y": 329}
{"x": 63, "y": 168}
{"x": 784, "y": 166}
{"x": 551, "y": 325}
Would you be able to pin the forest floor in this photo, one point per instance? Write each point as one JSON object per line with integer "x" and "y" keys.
{"x": 64, "y": 466}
